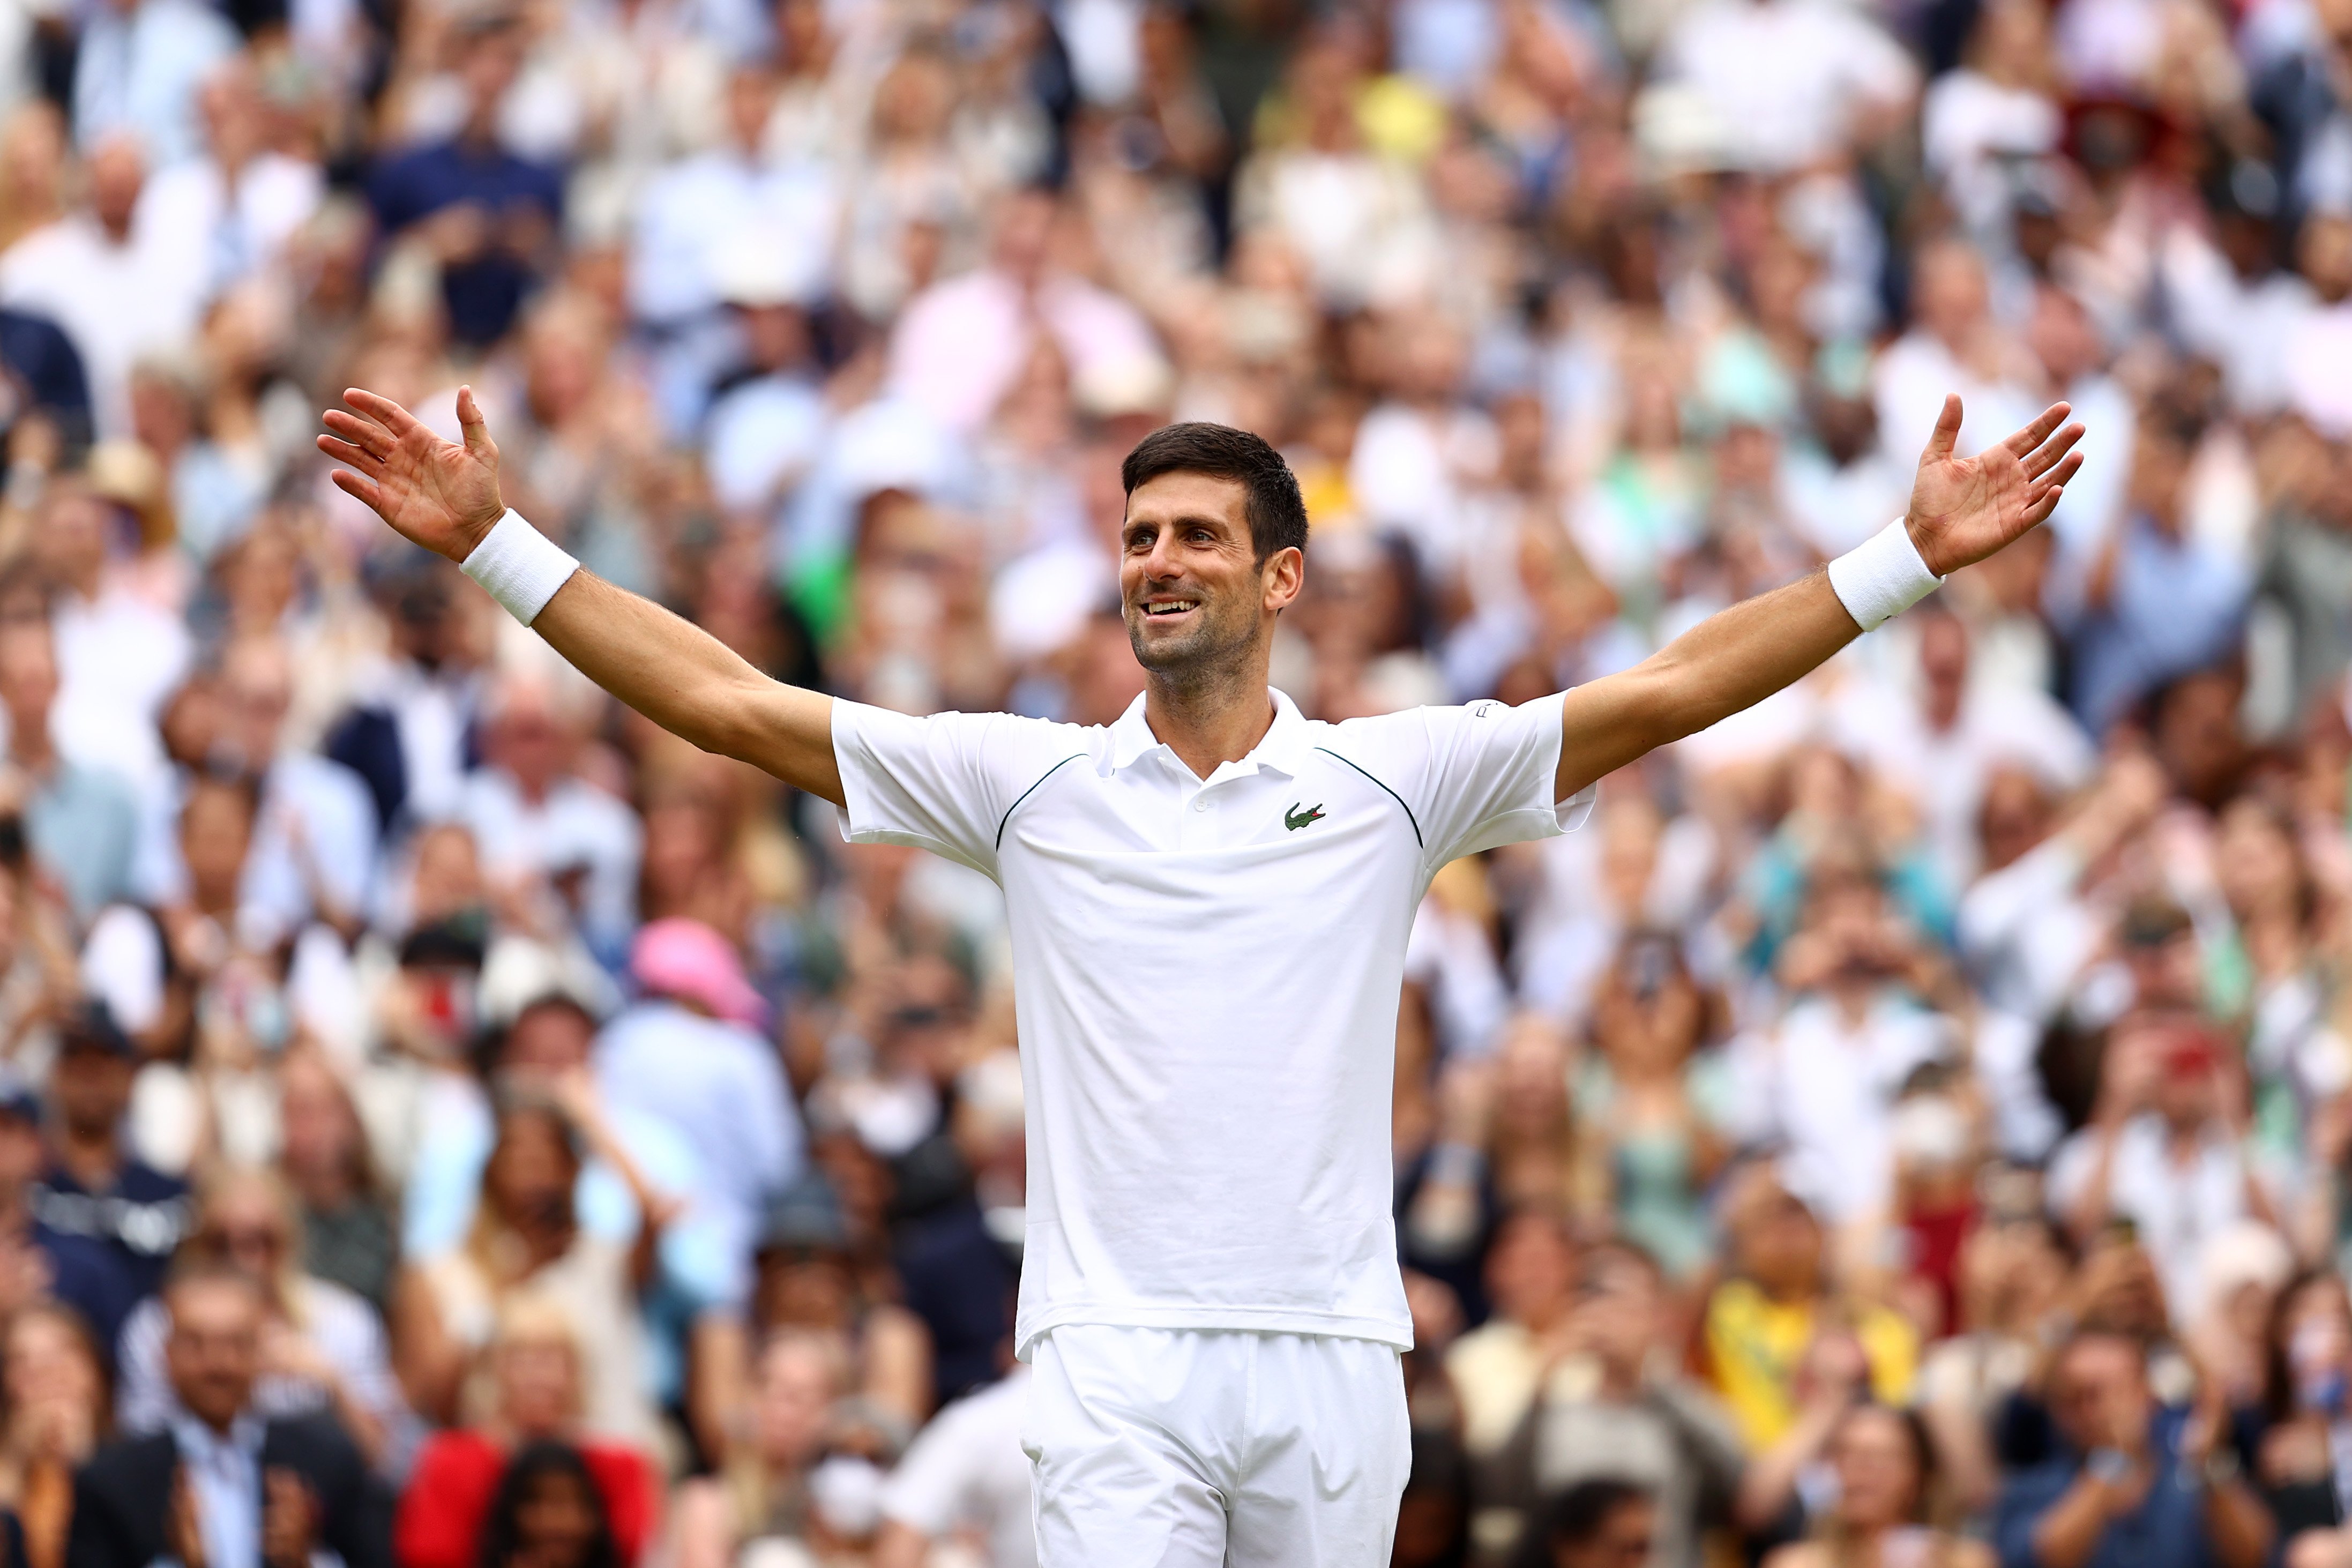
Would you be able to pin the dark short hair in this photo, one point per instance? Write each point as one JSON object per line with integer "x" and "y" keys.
{"x": 1576, "y": 1517}
{"x": 1277, "y": 516}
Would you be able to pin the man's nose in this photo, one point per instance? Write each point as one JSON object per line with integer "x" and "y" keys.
{"x": 1159, "y": 566}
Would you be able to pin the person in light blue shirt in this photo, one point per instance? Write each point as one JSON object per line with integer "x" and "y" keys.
{"x": 685, "y": 1056}
{"x": 703, "y": 1263}
{"x": 80, "y": 823}
{"x": 2153, "y": 601}
{"x": 138, "y": 68}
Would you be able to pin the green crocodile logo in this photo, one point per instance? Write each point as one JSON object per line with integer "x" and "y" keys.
{"x": 1295, "y": 819}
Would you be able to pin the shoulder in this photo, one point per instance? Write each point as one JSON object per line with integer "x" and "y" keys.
{"x": 448, "y": 1457}
{"x": 132, "y": 1463}
{"x": 144, "y": 1330}
{"x": 1016, "y": 741}
{"x": 616, "y": 1468}
{"x": 89, "y": 782}
{"x": 324, "y": 780}
{"x": 142, "y": 1182}
{"x": 335, "y": 1307}
{"x": 314, "y": 1444}
{"x": 1735, "y": 1307}
{"x": 1959, "y": 1551}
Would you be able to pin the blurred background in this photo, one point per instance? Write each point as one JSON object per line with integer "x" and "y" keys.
{"x": 1907, "y": 1128}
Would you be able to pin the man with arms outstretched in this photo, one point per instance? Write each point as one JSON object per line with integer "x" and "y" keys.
{"x": 1209, "y": 900}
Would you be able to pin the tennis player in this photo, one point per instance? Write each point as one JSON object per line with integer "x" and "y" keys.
{"x": 1209, "y": 900}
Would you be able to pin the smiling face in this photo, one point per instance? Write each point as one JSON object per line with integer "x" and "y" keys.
{"x": 1197, "y": 598}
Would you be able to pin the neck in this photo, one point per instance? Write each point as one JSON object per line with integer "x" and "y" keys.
{"x": 1216, "y": 718}
{"x": 91, "y": 1158}
{"x": 28, "y": 743}
{"x": 326, "y": 1188}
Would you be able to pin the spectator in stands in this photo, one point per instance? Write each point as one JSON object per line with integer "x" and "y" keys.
{"x": 485, "y": 215}
{"x": 349, "y": 1237}
{"x": 798, "y": 1379}
{"x": 2160, "y": 1152}
{"x": 1618, "y": 1408}
{"x": 107, "y": 1222}
{"x": 535, "y": 1374}
{"x": 224, "y": 1483}
{"x": 688, "y": 1055}
{"x": 323, "y": 1348}
{"x": 2136, "y": 1482}
{"x": 549, "y": 1513}
{"x": 527, "y": 1236}
{"x": 53, "y": 1383}
{"x": 80, "y": 823}
{"x": 1782, "y": 1349}
{"x": 1594, "y": 1524}
{"x": 1885, "y": 1469}
{"x": 2155, "y": 602}
{"x": 965, "y": 1474}
{"x": 1653, "y": 1104}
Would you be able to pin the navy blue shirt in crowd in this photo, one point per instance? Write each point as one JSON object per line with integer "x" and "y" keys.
{"x": 2167, "y": 1530}
{"x": 482, "y": 295}
{"x": 40, "y": 355}
{"x": 110, "y": 1248}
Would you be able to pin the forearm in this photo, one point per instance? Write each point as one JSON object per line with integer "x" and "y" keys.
{"x": 901, "y": 1546}
{"x": 2238, "y": 1525}
{"x": 690, "y": 683}
{"x": 1731, "y": 660}
{"x": 1771, "y": 1477}
{"x": 2090, "y": 1208}
{"x": 2067, "y": 1535}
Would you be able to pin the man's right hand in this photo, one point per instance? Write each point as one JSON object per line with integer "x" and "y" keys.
{"x": 436, "y": 493}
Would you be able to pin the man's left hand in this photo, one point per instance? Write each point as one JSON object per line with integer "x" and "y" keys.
{"x": 1964, "y": 509}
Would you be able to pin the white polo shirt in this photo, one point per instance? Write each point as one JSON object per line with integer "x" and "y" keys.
{"x": 1207, "y": 976}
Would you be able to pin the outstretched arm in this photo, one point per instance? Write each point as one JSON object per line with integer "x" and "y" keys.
{"x": 445, "y": 497}
{"x": 1962, "y": 509}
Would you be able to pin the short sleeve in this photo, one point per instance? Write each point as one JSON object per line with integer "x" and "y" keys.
{"x": 1473, "y": 777}
{"x": 945, "y": 783}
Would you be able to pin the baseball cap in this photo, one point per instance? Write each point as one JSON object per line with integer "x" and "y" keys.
{"x": 18, "y": 1098}
{"x": 520, "y": 974}
{"x": 687, "y": 961}
{"x": 91, "y": 1028}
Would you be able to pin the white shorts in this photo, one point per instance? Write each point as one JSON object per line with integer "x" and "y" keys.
{"x": 1213, "y": 1448}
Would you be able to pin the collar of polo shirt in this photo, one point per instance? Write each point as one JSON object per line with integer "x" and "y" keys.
{"x": 1283, "y": 750}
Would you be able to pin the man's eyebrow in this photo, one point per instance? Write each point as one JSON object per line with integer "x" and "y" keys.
{"x": 1177, "y": 521}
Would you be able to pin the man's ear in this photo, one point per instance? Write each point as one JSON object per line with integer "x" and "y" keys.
{"x": 1285, "y": 573}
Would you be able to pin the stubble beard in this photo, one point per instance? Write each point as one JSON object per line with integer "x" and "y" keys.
{"x": 1214, "y": 655}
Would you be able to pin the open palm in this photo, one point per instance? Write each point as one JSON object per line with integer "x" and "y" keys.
{"x": 442, "y": 495}
{"x": 1964, "y": 509}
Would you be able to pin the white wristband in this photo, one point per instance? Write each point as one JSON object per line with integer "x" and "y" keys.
{"x": 1881, "y": 577}
{"x": 520, "y": 566}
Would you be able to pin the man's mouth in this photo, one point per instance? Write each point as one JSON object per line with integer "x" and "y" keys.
{"x": 1160, "y": 609}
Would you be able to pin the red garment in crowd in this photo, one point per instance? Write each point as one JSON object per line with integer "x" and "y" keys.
{"x": 1936, "y": 1235}
{"x": 457, "y": 1478}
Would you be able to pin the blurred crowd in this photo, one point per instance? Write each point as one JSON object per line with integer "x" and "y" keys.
{"x": 445, "y": 1121}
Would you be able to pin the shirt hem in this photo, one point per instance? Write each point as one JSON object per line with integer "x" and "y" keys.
{"x": 1245, "y": 1320}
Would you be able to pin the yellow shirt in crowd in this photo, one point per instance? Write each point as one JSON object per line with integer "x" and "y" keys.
{"x": 1755, "y": 1346}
